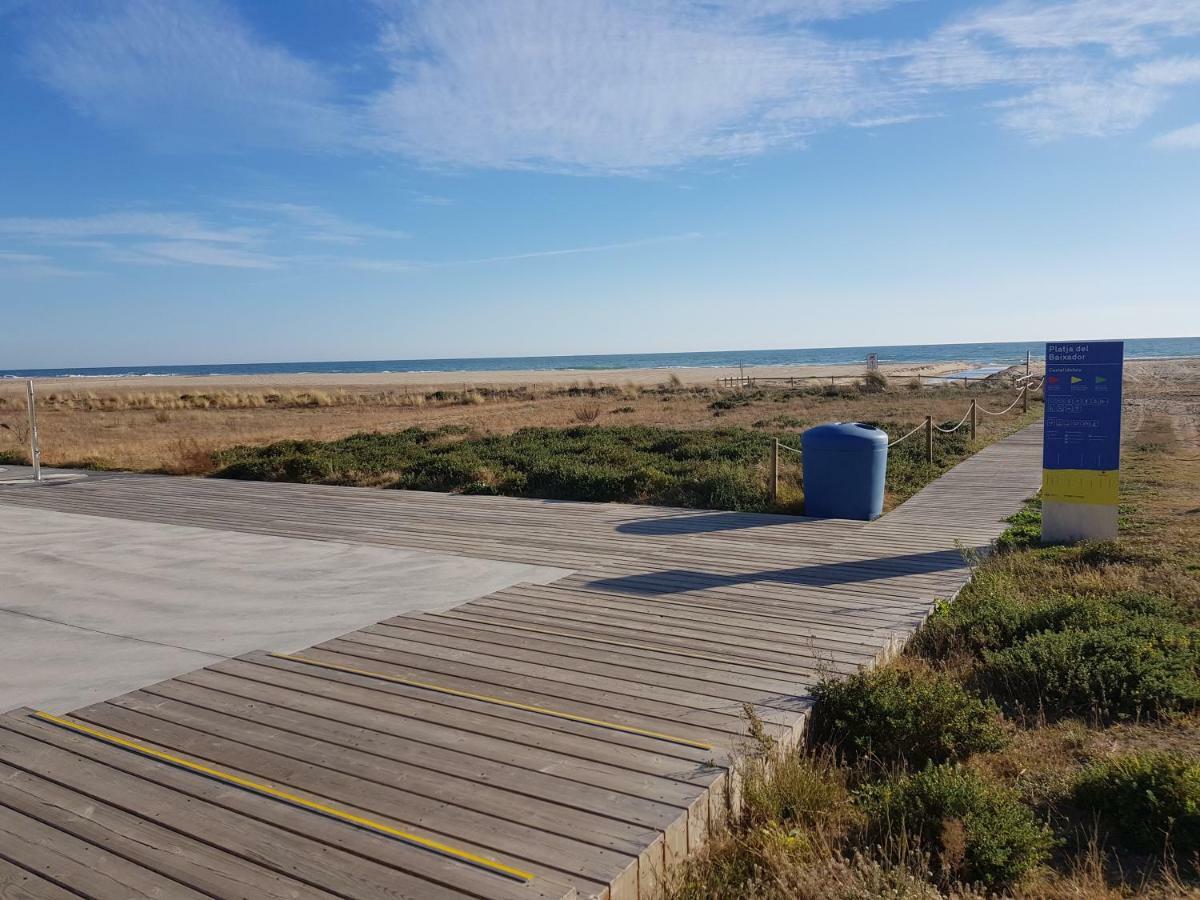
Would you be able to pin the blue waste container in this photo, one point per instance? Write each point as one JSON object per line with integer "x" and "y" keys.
{"x": 844, "y": 467}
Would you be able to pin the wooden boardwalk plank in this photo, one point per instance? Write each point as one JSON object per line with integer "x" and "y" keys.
{"x": 670, "y": 621}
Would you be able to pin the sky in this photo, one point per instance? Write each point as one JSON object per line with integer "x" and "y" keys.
{"x": 215, "y": 181}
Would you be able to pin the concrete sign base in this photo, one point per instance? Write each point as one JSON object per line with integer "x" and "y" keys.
{"x": 1068, "y": 522}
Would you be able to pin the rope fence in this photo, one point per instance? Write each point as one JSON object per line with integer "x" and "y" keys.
{"x": 928, "y": 426}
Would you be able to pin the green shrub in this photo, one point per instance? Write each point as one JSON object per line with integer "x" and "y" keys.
{"x": 1024, "y": 529}
{"x": 974, "y": 828}
{"x": 990, "y": 617}
{"x": 704, "y": 469}
{"x": 1145, "y": 801}
{"x": 1144, "y": 665}
{"x": 893, "y": 714}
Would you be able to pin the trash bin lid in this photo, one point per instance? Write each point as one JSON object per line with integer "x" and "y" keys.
{"x": 844, "y": 436}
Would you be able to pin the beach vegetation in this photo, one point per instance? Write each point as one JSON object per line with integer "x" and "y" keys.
{"x": 907, "y": 714}
{"x": 722, "y": 468}
{"x": 1145, "y": 801}
{"x": 976, "y": 829}
{"x": 1038, "y": 738}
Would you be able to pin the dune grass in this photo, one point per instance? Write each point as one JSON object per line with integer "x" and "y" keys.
{"x": 1039, "y": 738}
{"x": 722, "y": 468}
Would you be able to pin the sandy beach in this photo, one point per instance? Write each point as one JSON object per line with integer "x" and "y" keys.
{"x": 457, "y": 380}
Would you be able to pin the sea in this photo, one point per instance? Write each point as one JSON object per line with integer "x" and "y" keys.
{"x": 977, "y": 355}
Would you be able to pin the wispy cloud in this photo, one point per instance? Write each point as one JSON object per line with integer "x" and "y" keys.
{"x": 33, "y": 265}
{"x": 390, "y": 265}
{"x": 321, "y": 225}
{"x": 1187, "y": 138}
{"x": 613, "y": 86}
{"x": 163, "y": 238}
{"x": 174, "y": 226}
{"x": 190, "y": 69}
{"x": 1081, "y": 67}
{"x": 574, "y": 251}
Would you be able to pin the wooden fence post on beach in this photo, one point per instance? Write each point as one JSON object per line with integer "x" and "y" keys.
{"x": 773, "y": 482}
{"x": 929, "y": 438}
{"x": 974, "y": 419}
{"x": 1025, "y": 398}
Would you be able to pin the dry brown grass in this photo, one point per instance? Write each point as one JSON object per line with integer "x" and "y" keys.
{"x": 143, "y": 430}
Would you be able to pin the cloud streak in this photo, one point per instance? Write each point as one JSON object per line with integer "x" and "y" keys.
{"x": 1187, "y": 138}
{"x": 173, "y": 238}
{"x": 612, "y": 86}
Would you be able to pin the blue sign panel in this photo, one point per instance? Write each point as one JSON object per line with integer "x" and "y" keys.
{"x": 1083, "y": 405}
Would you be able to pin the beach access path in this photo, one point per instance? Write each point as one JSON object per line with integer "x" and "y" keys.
{"x": 566, "y": 724}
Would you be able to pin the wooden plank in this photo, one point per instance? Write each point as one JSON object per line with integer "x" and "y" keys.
{"x": 82, "y": 866}
{"x": 141, "y": 841}
{"x": 332, "y": 777}
{"x": 325, "y": 857}
{"x": 18, "y": 883}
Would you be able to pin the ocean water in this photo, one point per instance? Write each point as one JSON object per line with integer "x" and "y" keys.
{"x": 975, "y": 354}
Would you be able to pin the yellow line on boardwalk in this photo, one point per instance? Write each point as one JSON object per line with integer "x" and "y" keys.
{"x": 268, "y": 791}
{"x": 498, "y": 701}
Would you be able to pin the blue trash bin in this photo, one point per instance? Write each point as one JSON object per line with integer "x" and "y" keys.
{"x": 844, "y": 467}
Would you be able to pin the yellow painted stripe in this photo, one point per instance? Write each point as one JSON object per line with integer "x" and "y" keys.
{"x": 268, "y": 791}
{"x": 498, "y": 701}
{"x": 1081, "y": 486}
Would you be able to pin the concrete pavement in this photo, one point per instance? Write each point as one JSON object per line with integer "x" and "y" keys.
{"x": 94, "y": 607}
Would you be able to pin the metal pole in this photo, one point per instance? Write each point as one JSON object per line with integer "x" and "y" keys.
{"x": 35, "y": 451}
{"x": 929, "y": 438}
{"x": 773, "y": 486}
{"x": 974, "y": 419}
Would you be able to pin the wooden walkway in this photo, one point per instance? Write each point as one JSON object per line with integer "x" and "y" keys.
{"x": 580, "y": 732}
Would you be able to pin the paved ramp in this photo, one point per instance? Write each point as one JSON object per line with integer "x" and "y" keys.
{"x": 579, "y": 732}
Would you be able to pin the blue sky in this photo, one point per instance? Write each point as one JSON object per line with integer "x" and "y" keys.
{"x": 187, "y": 181}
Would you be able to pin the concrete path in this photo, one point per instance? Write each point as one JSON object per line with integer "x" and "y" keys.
{"x": 91, "y": 607}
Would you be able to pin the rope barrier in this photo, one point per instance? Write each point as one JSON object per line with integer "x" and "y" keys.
{"x": 961, "y": 423}
{"x": 907, "y": 436}
{"x": 1023, "y": 394}
{"x": 988, "y": 412}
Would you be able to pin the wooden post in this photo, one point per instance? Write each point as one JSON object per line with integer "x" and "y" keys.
{"x": 974, "y": 419}
{"x": 1025, "y": 398}
{"x": 929, "y": 439}
{"x": 773, "y": 484}
{"x": 35, "y": 449}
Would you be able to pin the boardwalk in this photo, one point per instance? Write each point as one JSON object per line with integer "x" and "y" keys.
{"x": 553, "y": 740}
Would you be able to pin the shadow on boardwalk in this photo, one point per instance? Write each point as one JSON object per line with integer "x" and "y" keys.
{"x": 672, "y": 581}
{"x": 706, "y": 523}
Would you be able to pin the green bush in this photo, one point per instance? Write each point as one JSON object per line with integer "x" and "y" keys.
{"x": 1024, "y": 529}
{"x": 975, "y": 829}
{"x": 1144, "y": 665}
{"x": 893, "y": 714}
{"x": 990, "y": 617}
{"x": 702, "y": 469}
{"x": 1145, "y": 801}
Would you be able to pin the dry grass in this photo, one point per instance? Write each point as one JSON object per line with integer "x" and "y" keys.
{"x": 143, "y": 430}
